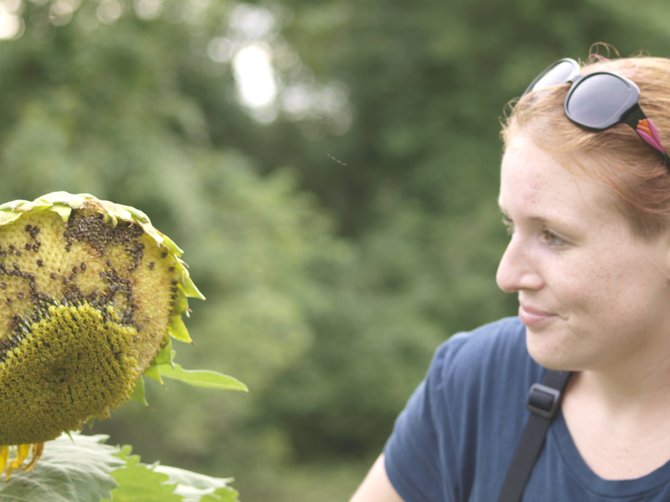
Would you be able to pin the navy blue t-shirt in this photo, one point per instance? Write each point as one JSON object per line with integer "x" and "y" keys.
{"x": 456, "y": 437}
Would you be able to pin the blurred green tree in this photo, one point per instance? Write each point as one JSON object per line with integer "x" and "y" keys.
{"x": 416, "y": 185}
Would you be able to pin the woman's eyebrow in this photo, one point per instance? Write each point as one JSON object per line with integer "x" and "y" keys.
{"x": 541, "y": 220}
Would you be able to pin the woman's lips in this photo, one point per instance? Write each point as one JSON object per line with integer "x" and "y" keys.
{"x": 531, "y": 316}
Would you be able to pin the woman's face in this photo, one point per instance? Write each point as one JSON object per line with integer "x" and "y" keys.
{"x": 591, "y": 294}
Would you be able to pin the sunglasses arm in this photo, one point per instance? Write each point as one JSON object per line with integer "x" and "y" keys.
{"x": 646, "y": 130}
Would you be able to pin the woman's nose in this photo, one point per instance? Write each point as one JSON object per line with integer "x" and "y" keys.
{"x": 517, "y": 269}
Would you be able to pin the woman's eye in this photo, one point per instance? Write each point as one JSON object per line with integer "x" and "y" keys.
{"x": 545, "y": 235}
{"x": 552, "y": 239}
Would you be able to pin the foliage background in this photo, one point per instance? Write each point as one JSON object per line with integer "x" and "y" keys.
{"x": 340, "y": 231}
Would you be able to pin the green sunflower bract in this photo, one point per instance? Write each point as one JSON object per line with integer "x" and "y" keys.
{"x": 90, "y": 292}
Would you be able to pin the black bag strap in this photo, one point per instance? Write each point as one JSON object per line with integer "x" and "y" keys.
{"x": 544, "y": 401}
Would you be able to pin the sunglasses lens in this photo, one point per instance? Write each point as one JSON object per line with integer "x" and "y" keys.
{"x": 557, "y": 74}
{"x": 599, "y": 100}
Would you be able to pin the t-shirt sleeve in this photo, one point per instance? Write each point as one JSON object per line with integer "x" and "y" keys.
{"x": 412, "y": 452}
{"x": 457, "y": 433}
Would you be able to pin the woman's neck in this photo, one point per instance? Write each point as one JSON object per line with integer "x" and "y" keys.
{"x": 620, "y": 427}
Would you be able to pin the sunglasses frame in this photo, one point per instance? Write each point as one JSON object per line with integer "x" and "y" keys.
{"x": 629, "y": 112}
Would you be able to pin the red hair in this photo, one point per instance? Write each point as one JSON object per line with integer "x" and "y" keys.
{"x": 634, "y": 172}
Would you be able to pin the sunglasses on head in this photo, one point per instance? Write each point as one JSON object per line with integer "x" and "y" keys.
{"x": 600, "y": 100}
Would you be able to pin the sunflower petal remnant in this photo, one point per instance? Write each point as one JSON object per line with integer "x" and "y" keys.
{"x": 90, "y": 292}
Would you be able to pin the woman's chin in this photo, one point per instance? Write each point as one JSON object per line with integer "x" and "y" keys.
{"x": 549, "y": 354}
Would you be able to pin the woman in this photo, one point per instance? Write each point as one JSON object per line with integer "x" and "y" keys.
{"x": 585, "y": 193}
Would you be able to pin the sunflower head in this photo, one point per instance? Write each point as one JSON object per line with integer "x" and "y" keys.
{"x": 89, "y": 293}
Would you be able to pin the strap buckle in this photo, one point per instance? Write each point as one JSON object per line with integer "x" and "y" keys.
{"x": 543, "y": 401}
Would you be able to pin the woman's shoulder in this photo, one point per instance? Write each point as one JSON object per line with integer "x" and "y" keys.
{"x": 493, "y": 343}
{"x": 492, "y": 354}
{"x": 466, "y": 414}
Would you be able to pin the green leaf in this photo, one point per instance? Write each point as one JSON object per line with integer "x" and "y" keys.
{"x": 188, "y": 286}
{"x": 138, "y": 392}
{"x": 177, "y": 329}
{"x": 201, "y": 378}
{"x": 164, "y": 356}
{"x": 221, "y": 495}
{"x": 153, "y": 373}
{"x": 195, "y": 487}
{"x": 75, "y": 469}
{"x": 141, "y": 483}
{"x": 163, "y": 366}
{"x": 62, "y": 210}
{"x": 7, "y": 217}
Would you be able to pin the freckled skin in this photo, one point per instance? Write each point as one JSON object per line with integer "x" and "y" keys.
{"x": 604, "y": 290}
